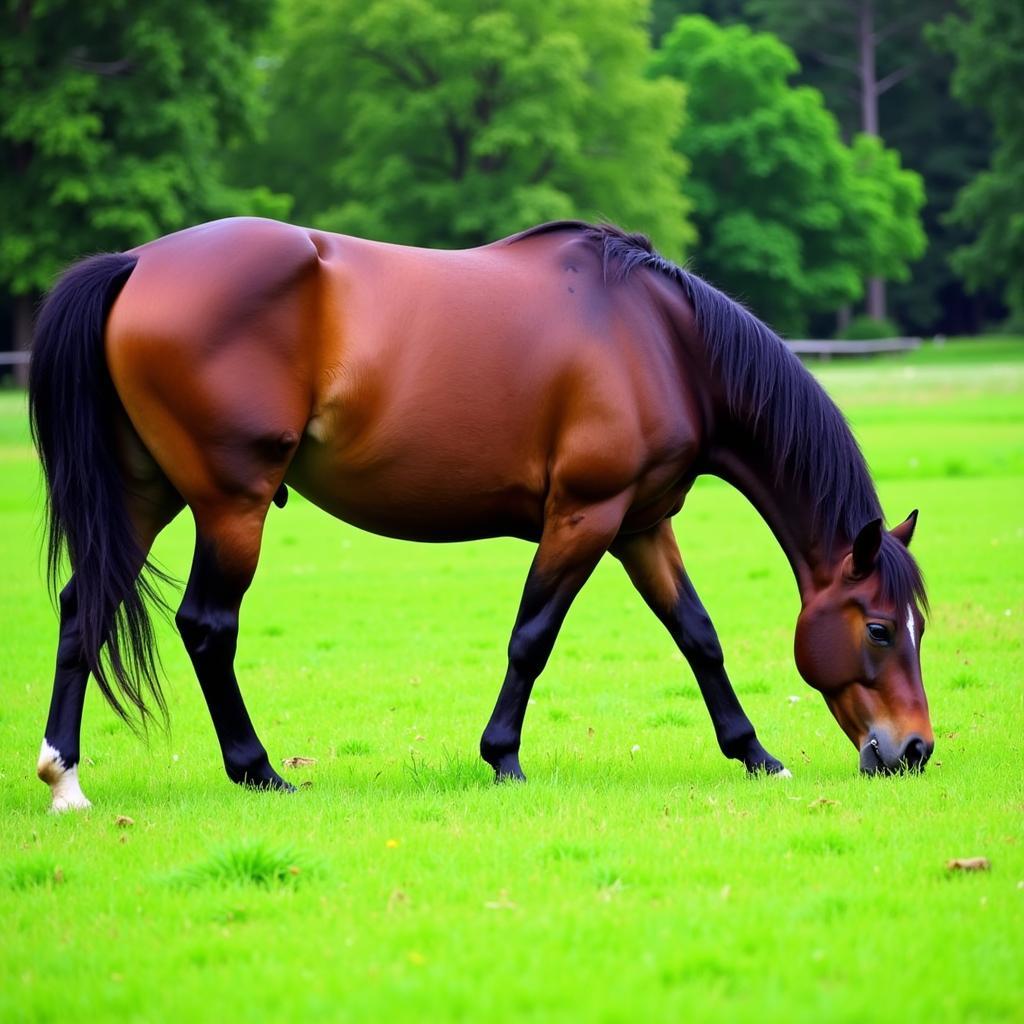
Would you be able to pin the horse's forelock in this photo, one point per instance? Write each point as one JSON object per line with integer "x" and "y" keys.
{"x": 900, "y": 578}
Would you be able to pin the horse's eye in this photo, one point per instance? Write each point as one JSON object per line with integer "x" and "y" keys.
{"x": 879, "y": 634}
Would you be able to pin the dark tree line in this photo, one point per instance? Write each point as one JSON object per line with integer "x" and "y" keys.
{"x": 813, "y": 158}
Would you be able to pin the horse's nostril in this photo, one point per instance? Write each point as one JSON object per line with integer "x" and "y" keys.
{"x": 916, "y": 753}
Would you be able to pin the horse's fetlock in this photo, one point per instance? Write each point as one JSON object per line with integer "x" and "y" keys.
{"x": 59, "y": 770}
{"x": 247, "y": 764}
{"x": 738, "y": 746}
{"x": 498, "y": 745}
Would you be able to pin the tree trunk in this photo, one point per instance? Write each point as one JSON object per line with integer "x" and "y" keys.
{"x": 877, "y": 298}
{"x": 869, "y": 124}
{"x": 843, "y": 317}
{"x": 23, "y": 308}
{"x": 868, "y": 83}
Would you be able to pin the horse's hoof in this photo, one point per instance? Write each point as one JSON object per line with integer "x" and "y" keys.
{"x": 508, "y": 770}
{"x": 273, "y": 783}
{"x": 259, "y": 775}
{"x": 66, "y": 793}
{"x": 769, "y": 766}
{"x": 62, "y": 804}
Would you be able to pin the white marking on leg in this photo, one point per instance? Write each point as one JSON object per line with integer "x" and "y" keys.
{"x": 63, "y": 781}
{"x": 784, "y": 774}
{"x": 910, "y": 627}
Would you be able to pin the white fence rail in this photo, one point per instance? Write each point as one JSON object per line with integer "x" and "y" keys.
{"x": 827, "y": 349}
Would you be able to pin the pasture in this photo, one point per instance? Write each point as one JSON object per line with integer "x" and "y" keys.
{"x": 638, "y": 875}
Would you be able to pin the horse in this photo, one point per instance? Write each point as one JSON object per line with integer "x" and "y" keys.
{"x": 565, "y": 385}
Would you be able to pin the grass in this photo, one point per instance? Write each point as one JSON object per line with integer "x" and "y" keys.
{"x": 247, "y": 863}
{"x": 639, "y": 875}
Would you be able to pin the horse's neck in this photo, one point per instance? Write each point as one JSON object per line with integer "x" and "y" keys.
{"x": 788, "y": 511}
{"x": 746, "y": 392}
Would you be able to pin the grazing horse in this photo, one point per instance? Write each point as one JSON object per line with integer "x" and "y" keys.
{"x": 565, "y": 385}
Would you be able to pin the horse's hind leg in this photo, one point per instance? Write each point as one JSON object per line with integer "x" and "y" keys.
{"x": 573, "y": 541}
{"x": 228, "y": 539}
{"x": 152, "y": 504}
{"x": 655, "y": 567}
{"x": 59, "y": 753}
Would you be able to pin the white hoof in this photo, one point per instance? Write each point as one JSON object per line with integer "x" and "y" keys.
{"x": 784, "y": 774}
{"x": 63, "y": 781}
{"x": 70, "y": 803}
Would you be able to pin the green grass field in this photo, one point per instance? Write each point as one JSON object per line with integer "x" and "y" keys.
{"x": 639, "y": 876}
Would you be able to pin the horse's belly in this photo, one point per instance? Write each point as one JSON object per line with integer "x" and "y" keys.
{"x": 418, "y": 495}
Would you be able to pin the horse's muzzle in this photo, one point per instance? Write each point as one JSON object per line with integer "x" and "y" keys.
{"x": 881, "y": 756}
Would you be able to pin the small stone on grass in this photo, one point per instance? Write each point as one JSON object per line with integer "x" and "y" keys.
{"x": 298, "y": 762}
{"x": 968, "y": 864}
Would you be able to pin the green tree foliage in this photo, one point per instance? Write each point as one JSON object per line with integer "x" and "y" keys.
{"x": 936, "y": 135}
{"x": 450, "y": 123}
{"x": 113, "y": 122}
{"x": 989, "y": 46}
{"x": 790, "y": 220}
{"x": 665, "y": 12}
{"x": 947, "y": 144}
{"x": 885, "y": 206}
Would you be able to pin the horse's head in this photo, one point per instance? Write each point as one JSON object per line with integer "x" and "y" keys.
{"x": 858, "y": 641}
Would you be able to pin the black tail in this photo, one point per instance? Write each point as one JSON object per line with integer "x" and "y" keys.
{"x": 72, "y": 403}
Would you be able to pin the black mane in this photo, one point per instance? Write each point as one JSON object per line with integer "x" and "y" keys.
{"x": 802, "y": 431}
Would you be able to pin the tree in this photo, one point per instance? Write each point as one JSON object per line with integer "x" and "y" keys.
{"x": 452, "y": 123}
{"x": 989, "y": 47}
{"x": 790, "y": 219}
{"x": 876, "y": 44}
{"x": 885, "y": 202}
{"x": 665, "y": 12}
{"x": 113, "y": 121}
{"x": 948, "y": 145}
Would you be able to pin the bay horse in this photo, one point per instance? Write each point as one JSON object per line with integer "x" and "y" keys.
{"x": 565, "y": 386}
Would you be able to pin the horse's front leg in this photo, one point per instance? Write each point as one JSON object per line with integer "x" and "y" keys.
{"x": 59, "y": 754}
{"x": 655, "y": 567}
{"x": 575, "y": 537}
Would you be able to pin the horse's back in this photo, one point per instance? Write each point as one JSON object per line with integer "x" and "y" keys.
{"x": 461, "y": 386}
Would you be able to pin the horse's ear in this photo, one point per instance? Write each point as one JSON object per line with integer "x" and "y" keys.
{"x": 905, "y": 531}
{"x": 861, "y": 561}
